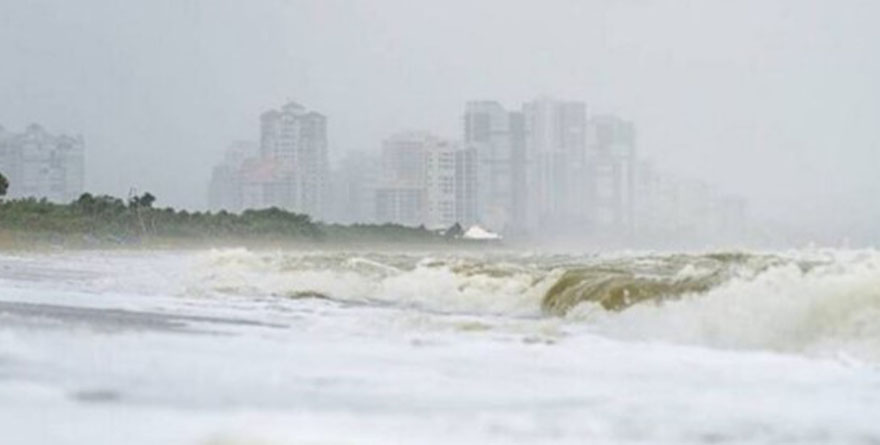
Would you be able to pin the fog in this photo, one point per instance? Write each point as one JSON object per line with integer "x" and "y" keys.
{"x": 774, "y": 101}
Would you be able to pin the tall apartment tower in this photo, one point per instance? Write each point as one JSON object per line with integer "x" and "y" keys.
{"x": 440, "y": 159}
{"x": 556, "y": 154}
{"x": 497, "y": 137}
{"x": 40, "y": 165}
{"x": 296, "y": 139}
{"x": 612, "y": 173}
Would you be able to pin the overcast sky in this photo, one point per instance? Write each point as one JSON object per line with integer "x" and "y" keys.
{"x": 778, "y": 101}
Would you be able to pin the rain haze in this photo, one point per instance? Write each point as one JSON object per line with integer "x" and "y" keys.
{"x": 436, "y": 222}
{"x": 773, "y": 101}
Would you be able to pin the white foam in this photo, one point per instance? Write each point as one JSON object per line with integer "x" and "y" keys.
{"x": 830, "y": 309}
{"x": 442, "y": 285}
{"x": 387, "y": 373}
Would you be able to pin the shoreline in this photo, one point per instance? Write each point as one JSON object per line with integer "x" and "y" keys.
{"x": 37, "y": 241}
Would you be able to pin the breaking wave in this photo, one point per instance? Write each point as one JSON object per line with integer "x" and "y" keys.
{"x": 822, "y": 302}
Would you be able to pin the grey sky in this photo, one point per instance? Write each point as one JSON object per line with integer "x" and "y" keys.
{"x": 778, "y": 101}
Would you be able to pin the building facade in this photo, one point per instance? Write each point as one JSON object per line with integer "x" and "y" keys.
{"x": 611, "y": 175}
{"x": 545, "y": 170}
{"x": 426, "y": 180}
{"x": 556, "y": 158}
{"x": 288, "y": 169}
{"x": 41, "y": 165}
{"x": 497, "y": 137}
{"x": 296, "y": 140}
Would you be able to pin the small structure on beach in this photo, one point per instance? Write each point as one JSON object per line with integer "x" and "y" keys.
{"x": 476, "y": 232}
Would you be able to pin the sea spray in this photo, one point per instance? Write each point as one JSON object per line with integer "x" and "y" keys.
{"x": 803, "y": 301}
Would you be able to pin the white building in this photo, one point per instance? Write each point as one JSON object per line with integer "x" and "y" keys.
{"x": 426, "y": 180}
{"x": 297, "y": 140}
{"x": 40, "y": 165}
{"x": 440, "y": 184}
{"x": 288, "y": 170}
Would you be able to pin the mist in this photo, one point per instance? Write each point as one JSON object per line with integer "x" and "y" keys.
{"x": 776, "y": 102}
{"x": 435, "y": 222}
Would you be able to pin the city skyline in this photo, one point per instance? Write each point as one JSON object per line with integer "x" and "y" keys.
{"x": 764, "y": 106}
{"x": 548, "y": 169}
{"x": 439, "y": 222}
{"x": 713, "y": 214}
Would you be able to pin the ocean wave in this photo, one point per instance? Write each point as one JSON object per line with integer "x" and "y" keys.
{"x": 828, "y": 305}
{"x": 435, "y": 283}
{"x": 816, "y": 301}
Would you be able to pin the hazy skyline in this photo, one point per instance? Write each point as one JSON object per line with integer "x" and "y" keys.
{"x": 774, "y": 101}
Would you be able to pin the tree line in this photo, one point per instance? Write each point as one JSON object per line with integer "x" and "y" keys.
{"x": 105, "y": 216}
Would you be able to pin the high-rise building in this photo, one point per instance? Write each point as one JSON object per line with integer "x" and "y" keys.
{"x": 40, "y": 165}
{"x": 519, "y": 174}
{"x": 289, "y": 170}
{"x": 557, "y": 162}
{"x": 497, "y": 137}
{"x": 611, "y": 170}
{"x": 426, "y": 180}
{"x": 296, "y": 139}
{"x": 440, "y": 184}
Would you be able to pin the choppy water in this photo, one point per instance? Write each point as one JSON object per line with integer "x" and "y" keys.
{"x": 234, "y": 346}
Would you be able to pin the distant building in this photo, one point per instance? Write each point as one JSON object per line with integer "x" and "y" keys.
{"x": 557, "y": 159}
{"x": 553, "y": 170}
{"x": 611, "y": 174}
{"x": 401, "y": 196}
{"x": 548, "y": 170}
{"x": 297, "y": 140}
{"x": 403, "y": 158}
{"x": 425, "y": 180}
{"x": 440, "y": 184}
{"x": 497, "y": 137}
{"x": 288, "y": 170}
{"x": 41, "y": 165}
